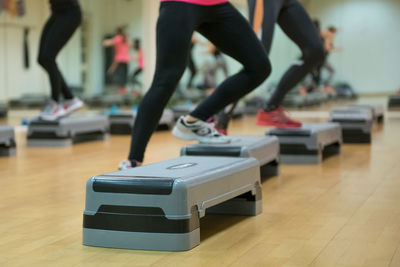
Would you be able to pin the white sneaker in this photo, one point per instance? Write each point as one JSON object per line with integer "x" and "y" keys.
{"x": 199, "y": 130}
{"x": 52, "y": 111}
{"x": 125, "y": 165}
{"x": 72, "y": 105}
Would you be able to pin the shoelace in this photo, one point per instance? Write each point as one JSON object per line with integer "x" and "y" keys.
{"x": 213, "y": 132}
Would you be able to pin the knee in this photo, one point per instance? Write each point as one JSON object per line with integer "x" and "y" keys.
{"x": 261, "y": 70}
{"x": 314, "y": 55}
{"x": 45, "y": 60}
{"x": 166, "y": 81}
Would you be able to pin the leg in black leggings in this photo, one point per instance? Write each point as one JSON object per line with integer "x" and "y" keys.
{"x": 134, "y": 76}
{"x": 295, "y": 22}
{"x": 56, "y": 33}
{"x": 193, "y": 71}
{"x": 229, "y": 31}
{"x": 234, "y": 37}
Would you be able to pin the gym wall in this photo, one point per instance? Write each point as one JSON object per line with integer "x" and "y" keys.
{"x": 369, "y": 33}
{"x": 15, "y": 79}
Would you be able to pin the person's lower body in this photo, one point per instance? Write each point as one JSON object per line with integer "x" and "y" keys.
{"x": 122, "y": 76}
{"x": 327, "y": 66}
{"x": 134, "y": 76}
{"x": 56, "y": 33}
{"x": 229, "y": 31}
{"x": 297, "y": 25}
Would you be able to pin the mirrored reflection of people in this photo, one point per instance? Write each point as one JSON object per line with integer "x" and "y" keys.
{"x": 220, "y": 62}
{"x": 139, "y": 58}
{"x": 122, "y": 57}
{"x": 328, "y": 37}
{"x": 64, "y": 20}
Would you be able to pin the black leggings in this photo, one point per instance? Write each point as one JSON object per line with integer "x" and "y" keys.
{"x": 136, "y": 73}
{"x": 193, "y": 70}
{"x": 58, "y": 30}
{"x": 297, "y": 25}
{"x": 224, "y": 26}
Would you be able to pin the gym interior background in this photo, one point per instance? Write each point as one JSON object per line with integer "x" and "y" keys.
{"x": 343, "y": 212}
{"x": 367, "y": 30}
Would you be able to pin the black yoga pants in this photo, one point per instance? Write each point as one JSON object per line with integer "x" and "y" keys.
{"x": 297, "y": 25}
{"x": 228, "y": 30}
{"x": 58, "y": 30}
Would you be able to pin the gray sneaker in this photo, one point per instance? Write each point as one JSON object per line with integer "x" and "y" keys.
{"x": 52, "y": 111}
{"x": 200, "y": 131}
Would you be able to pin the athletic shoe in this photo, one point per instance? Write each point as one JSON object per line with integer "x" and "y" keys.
{"x": 277, "y": 118}
{"x": 198, "y": 130}
{"x": 72, "y": 105}
{"x": 52, "y": 111}
{"x": 126, "y": 165}
{"x": 221, "y": 131}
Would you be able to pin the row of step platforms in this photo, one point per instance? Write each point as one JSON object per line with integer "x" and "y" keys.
{"x": 7, "y": 141}
{"x": 357, "y": 121}
{"x": 159, "y": 206}
{"x": 394, "y": 102}
{"x": 307, "y": 145}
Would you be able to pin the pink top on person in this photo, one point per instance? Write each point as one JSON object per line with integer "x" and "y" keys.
{"x": 199, "y": 2}
{"x": 121, "y": 49}
{"x": 141, "y": 59}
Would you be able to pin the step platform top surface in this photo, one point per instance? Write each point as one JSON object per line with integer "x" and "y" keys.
{"x": 6, "y": 128}
{"x": 352, "y": 113}
{"x": 243, "y": 141}
{"x": 183, "y": 108}
{"x": 132, "y": 113}
{"x": 308, "y": 129}
{"x": 6, "y": 133}
{"x": 183, "y": 168}
{"x": 73, "y": 120}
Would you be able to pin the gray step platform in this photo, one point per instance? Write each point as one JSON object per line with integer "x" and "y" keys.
{"x": 105, "y": 101}
{"x": 3, "y": 110}
{"x": 309, "y": 144}
{"x": 378, "y": 111}
{"x": 30, "y": 101}
{"x": 356, "y": 123}
{"x": 7, "y": 141}
{"x": 263, "y": 148}
{"x": 253, "y": 105}
{"x": 159, "y": 206}
{"x": 122, "y": 123}
{"x": 67, "y": 131}
{"x": 394, "y": 102}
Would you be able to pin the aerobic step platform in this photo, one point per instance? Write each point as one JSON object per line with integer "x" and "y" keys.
{"x": 356, "y": 123}
{"x": 3, "y": 110}
{"x": 159, "y": 206}
{"x": 309, "y": 144}
{"x": 394, "y": 102}
{"x": 67, "y": 131}
{"x": 378, "y": 111}
{"x": 263, "y": 148}
{"x": 122, "y": 123}
{"x": 7, "y": 141}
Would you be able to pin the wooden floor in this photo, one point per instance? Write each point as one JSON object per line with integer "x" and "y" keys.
{"x": 345, "y": 212}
